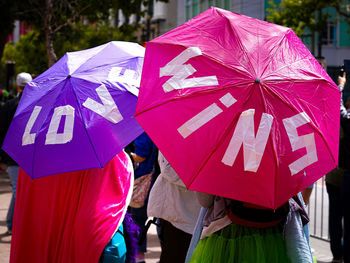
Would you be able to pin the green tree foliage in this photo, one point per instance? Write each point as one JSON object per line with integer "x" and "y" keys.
{"x": 307, "y": 17}
{"x": 30, "y": 51}
{"x": 302, "y": 14}
{"x": 299, "y": 15}
{"x": 7, "y": 14}
{"x": 53, "y": 18}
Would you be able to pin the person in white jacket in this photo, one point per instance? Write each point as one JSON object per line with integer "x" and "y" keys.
{"x": 177, "y": 208}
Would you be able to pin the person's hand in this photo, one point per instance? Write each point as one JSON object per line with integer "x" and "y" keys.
{"x": 342, "y": 81}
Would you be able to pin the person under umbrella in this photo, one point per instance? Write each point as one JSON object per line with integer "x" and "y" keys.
{"x": 73, "y": 216}
{"x": 236, "y": 231}
{"x": 7, "y": 113}
{"x": 177, "y": 209}
{"x": 144, "y": 158}
{"x": 344, "y": 155}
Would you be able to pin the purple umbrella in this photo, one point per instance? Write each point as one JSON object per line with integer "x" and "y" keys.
{"x": 79, "y": 113}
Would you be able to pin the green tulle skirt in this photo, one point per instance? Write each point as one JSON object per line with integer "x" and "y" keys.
{"x": 240, "y": 244}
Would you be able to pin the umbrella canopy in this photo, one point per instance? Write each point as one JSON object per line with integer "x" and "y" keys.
{"x": 79, "y": 113}
{"x": 239, "y": 107}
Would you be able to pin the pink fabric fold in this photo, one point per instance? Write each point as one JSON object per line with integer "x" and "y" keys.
{"x": 70, "y": 217}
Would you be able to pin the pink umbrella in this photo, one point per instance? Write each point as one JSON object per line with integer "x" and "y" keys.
{"x": 240, "y": 108}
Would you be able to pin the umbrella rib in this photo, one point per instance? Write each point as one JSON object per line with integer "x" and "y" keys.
{"x": 242, "y": 47}
{"x": 288, "y": 65}
{"x": 213, "y": 38}
{"x": 276, "y": 50}
{"x": 35, "y": 144}
{"x": 107, "y": 45}
{"x": 297, "y": 111}
{"x": 224, "y": 136}
{"x": 272, "y": 147}
{"x": 101, "y": 66}
{"x": 239, "y": 42}
{"x": 294, "y": 62}
{"x": 209, "y": 57}
{"x": 71, "y": 73}
{"x": 188, "y": 96}
{"x": 87, "y": 134}
{"x": 34, "y": 156}
{"x": 258, "y": 59}
{"x": 226, "y": 133}
{"x": 79, "y": 110}
{"x": 230, "y": 127}
{"x": 29, "y": 106}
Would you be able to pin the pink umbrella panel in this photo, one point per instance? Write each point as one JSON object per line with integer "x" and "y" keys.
{"x": 240, "y": 108}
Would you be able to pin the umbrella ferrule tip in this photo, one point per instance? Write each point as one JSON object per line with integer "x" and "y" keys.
{"x": 257, "y": 80}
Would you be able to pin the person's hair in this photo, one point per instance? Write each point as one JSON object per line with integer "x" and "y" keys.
{"x": 22, "y": 79}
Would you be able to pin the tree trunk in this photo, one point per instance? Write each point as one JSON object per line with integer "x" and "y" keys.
{"x": 3, "y": 38}
{"x": 51, "y": 55}
{"x": 319, "y": 42}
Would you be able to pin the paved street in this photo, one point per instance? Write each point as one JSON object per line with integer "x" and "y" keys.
{"x": 321, "y": 248}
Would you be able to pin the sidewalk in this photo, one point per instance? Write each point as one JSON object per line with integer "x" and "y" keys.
{"x": 321, "y": 248}
{"x": 5, "y": 197}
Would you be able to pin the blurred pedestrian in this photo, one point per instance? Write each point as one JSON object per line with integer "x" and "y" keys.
{"x": 334, "y": 182}
{"x": 344, "y": 155}
{"x": 6, "y": 115}
{"x": 144, "y": 159}
{"x": 3, "y": 97}
{"x": 236, "y": 231}
{"x": 334, "y": 185}
{"x": 177, "y": 209}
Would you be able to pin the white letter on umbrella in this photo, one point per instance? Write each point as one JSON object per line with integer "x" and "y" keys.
{"x": 129, "y": 78}
{"x": 253, "y": 147}
{"x": 108, "y": 109}
{"x": 308, "y": 141}
{"x": 29, "y": 138}
{"x": 52, "y": 137}
{"x": 205, "y": 116}
{"x": 180, "y": 72}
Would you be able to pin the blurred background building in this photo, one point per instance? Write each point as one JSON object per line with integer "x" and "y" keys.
{"x": 333, "y": 42}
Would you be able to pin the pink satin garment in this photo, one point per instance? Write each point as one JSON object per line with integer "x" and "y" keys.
{"x": 70, "y": 217}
